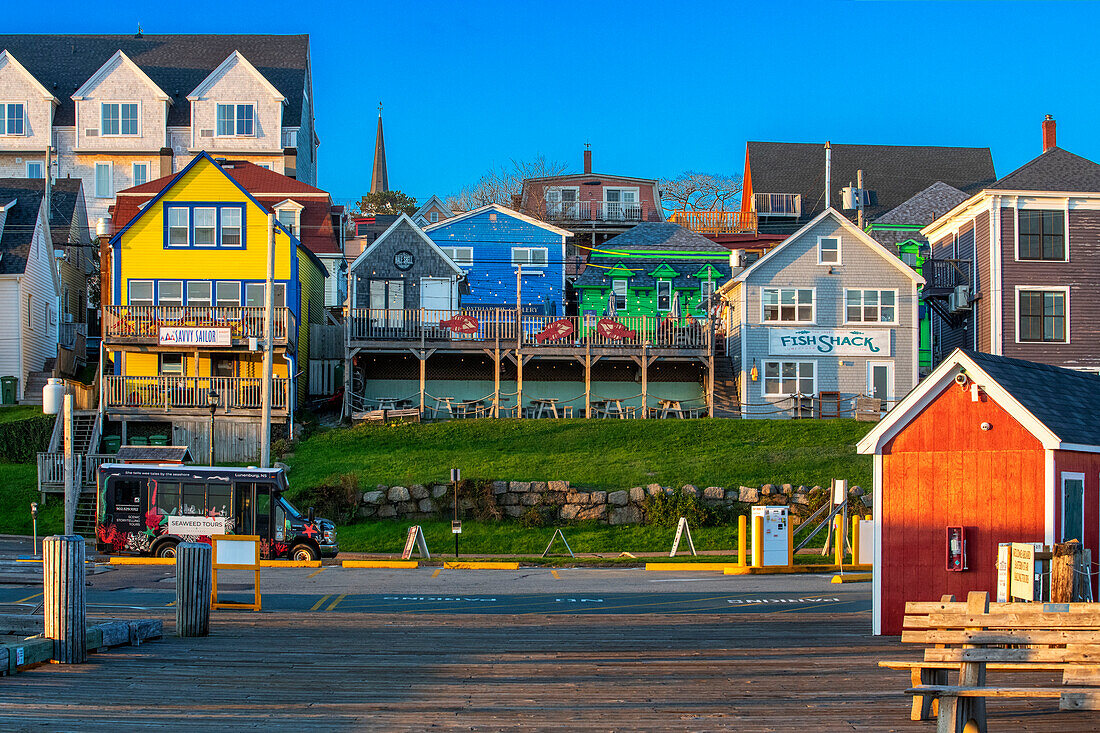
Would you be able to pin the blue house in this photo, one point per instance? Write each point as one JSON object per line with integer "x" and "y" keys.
{"x": 491, "y": 243}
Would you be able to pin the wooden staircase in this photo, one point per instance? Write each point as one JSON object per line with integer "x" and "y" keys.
{"x": 726, "y": 401}
{"x": 32, "y": 390}
{"x": 84, "y": 523}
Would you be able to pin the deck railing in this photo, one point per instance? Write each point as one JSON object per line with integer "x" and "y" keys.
{"x": 191, "y": 393}
{"x": 777, "y": 204}
{"x": 491, "y": 325}
{"x": 609, "y": 211}
{"x": 145, "y": 321}
{"x": 716, "y": 222}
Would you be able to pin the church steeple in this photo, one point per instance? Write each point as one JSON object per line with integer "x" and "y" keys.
{"x": 380, "y": 180}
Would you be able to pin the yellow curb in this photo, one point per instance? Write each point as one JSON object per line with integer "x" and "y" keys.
{"x": 290, "y": 563}
{"x": 392, "y": 564}
{"x": 853, "y": 578}
{"x": 712, "y": 567}
{"x": 142, "y": 561}
{"x": 481, "y": 566}
{"x": 786, "y": 569}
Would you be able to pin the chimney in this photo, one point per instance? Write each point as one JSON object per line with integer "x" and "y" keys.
{"x": 165, "y": 162}
{"x": 1050, "y": 139}
{"x": 587, "y": 159}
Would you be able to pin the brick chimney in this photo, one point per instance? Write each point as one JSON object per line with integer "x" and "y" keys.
{"x": 1050, "y": 139}
{"x": 587, "y": 159}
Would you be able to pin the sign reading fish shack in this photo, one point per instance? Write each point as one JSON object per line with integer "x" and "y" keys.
{"x": 190, "y": 336}
{"x": 829, "y": 341}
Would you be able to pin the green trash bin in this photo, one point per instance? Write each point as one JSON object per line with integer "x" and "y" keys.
{"x": 139, "y": 440}
{"x": 158, "y": 440}
{"x": 111, "y": 443}
{"x": 9, "y": 388}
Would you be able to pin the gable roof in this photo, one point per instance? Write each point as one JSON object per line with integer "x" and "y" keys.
{"x": 18, "y": 225}
{"x": 851, "y": 228}
{"x": 119, "y": 59}
{"x": 66, "y": 197}
{"x": 925, "y": 207}
{"x": 1054, "y": 170}
{"x": 895, "y": 173}
{"x": 433, "y": 201}
{"x": 404, "y": 220}
{"x": 1056, "y": 405}
{"x": 655, "y": 250}
{"x": 500, "y": 210}
{"x": 6, "y": 58}
{"x": 175, "y": 63}
{"x": 238, "y": 58}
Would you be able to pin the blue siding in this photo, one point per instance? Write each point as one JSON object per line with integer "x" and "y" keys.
{"x": 492, "y": 276}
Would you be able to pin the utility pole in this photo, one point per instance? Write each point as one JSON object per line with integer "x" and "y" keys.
{"x": 859, "y": 202}
{"x": 269, "y": 356}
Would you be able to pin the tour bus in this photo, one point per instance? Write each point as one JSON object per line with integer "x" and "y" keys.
{"x": 149, "y": 509}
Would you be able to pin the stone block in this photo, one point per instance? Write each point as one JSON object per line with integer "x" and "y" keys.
{"x": 787, "y": 489}
{"x": 654, "y": 489}
{"x": 426, "y": 505}
{"x": 538, "y": 486}
{"x": 508, "y": 499}
{"x": 855, "y": 491}
{"x": 500, "y": 487}
{"x": 386, "y": 511}
{"x": 406, "y": 507}
{"x": 800, "y": 499}
{"x": 618, "y": 498}
{"x": 519, "y": 486}
{"x": 625, "y": 515}
{"x": 418, "y": 492}
{"x": 637, "y": 495}
{"x": 767, "y": 490}
{"x": 714, "y": 493}
{"x": 592, "y": 512}
{"x": 777, "y": 500}
{"x": 529, "y": 499}
{"x": 748, "y": 495}
{"x": 514, "y": 511}
{"x": 366, "y": 511}
{"x": 374, "y": 497}
{"x": 867, "y": 500}
{"x": 578, "y": 497}
{"x": 689, "y": 490}
{"x": 398, "y": 493}
{"x": 599, "y": 497}
{"x": 570, "y": 511}
{"x": 802, "y": 490}
{"x": 439, "y": 491}
{"x": 558, "y": 485}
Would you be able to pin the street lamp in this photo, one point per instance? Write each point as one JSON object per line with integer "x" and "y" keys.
{"x": 212, "y": 401}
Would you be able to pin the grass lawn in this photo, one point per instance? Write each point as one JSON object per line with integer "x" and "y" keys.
{"x": 18, "y": 488}
{"x": 598, "y": 454}
{"x": 11, "y": 413}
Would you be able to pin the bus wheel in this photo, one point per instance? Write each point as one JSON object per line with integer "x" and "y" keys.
{"x": 166, "y": 549}
{"x": 303, "y": 552}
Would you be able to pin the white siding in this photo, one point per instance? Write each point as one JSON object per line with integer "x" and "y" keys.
{"x": 40, "y": 340}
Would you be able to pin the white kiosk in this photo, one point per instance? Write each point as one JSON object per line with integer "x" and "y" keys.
{"x": 775, "y": 548}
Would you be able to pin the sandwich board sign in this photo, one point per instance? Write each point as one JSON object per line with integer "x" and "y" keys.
{"x": 682, "y": 528}
{"x": 415, "y": 539}
{"x": 1022, "y": 572}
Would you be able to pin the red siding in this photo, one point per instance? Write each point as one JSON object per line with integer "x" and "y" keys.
{"x": 944, "y": 470}
{"x": 1088, "y": 464}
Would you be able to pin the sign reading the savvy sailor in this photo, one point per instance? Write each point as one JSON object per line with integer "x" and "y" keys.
{"x": 828, "y": 341}
{"x": 190, "y": 336}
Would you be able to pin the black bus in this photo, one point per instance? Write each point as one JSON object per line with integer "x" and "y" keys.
{"x": 149, "y": 509}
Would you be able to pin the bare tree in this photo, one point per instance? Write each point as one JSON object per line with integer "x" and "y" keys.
{"x": 695, "y": 191}
{"x": 504, "y": 185}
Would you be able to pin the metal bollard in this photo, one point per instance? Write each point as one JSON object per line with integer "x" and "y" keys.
{"x": 65, "y": 609}
{"x": 193, "y": 561}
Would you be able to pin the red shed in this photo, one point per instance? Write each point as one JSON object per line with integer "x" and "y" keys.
{"x": 1009, "y": 450}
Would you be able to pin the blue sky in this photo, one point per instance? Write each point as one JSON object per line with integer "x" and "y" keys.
{"x": 657, "y": 88}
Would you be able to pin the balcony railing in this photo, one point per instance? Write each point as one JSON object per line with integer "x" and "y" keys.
{"x": 947, "y": 274}
{"x": 601, "y": 211}
{"x": 191, "y": 393}
{"x": 716, "y": 222}
{"x": 137, "y": 322}
{"x": 68, "y": 332}
{"x": 493, "y": 325}
{"x": 777, "y": 204}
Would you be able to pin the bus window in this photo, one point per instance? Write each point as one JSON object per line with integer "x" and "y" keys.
{"x": 280, "y": 523}
{"x": 168, "y": 497}
{"x": 128, "y": 506}
{"x": 218, "y": 498}
{"x": 243, "y": 508}
{"x": 263, "y": 511}
{"x": 194, "y": 499}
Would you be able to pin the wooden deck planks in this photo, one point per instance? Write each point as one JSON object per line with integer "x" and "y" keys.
{"x": 759, "y": 672}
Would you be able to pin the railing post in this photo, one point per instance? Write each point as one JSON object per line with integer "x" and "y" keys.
{"x": 193, "y": 563}
{"x": 65, "y": 611}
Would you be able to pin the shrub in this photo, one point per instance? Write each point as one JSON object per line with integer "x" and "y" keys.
{"x": 21, "y": 440}
{"x": 665, "y": 510}
{"x": 339, "y": 503}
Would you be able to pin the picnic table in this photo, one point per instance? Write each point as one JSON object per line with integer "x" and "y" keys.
{"x": 469, "y": 408}
{"x": 389, "y": 403}
{"x": 671, "y": 407}
{"x": 545, "y": 407}
{"x": 443, "y": 403}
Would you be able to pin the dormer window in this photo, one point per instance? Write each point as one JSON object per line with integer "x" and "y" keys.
{"x": 12, "y": 119}
{"x": 289, "y": 214}
{"x": 118, "y": 118}
{"x": 236, "y": 120}
{"x": 434, "y": 216}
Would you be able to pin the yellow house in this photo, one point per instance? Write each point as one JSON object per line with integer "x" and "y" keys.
{"x": 184, "y": 311}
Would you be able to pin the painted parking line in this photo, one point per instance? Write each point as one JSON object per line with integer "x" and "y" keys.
{"x": 437, "y": 572}
{"x": 315, "y": 573}
{"x": 555, "y": 574}
{"x": 336, "y": 602}
{"x": 738, "y": 601}
{"x": 28, "y": 598}
{"x": 321, "y": 602}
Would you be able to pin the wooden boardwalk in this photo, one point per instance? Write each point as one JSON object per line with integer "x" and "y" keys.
{"x": 345, "y": 671}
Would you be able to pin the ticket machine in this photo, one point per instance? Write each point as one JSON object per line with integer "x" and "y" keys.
{"x": 775, "y": 549}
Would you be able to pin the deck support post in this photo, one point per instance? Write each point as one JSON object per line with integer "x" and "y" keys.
{"x": 645, "y": 382}
{"x": 63, "y": 597}
{"x": 496, "y": 380}
{"x": 519, "y": 384}
{"x": 423, "y": 373}
{"x": 710, "y": 359}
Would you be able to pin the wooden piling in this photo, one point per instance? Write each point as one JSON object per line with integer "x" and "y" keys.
{"x": 193, "y": 589}
{"x": 65, "y": 610}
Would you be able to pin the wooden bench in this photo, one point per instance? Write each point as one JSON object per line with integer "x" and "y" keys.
{"x": 976, "y": 637}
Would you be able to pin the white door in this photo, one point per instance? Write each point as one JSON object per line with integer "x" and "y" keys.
{"x": 880, "y": 382}
{"x": 395, "y": 303}
{"x": 435, "y": 298}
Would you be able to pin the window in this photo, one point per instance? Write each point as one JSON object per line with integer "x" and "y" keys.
{"x": 179, "y": 226}
{"x": 117, "y": 118}
{"x": 1042, "y": 315}
{"x": 1073, "y": 507}
{"x": 794, "y": 305}
{"x": 198, "y": 293}
{"x": 909, "y": 258}
{"x": 870, "y": 306}
{"x": 171, "y": 365}
{"x": 104, "y": 187}
{"x": 231, "y": 227}
{"x": 34, "y": 169}
{"x": 254, "y": 295}
{"x": 236, "y": 119}
{"x": 141, "y": 173}
{"x": 433, "y": 217}
{"x": 168, "y": 497}
{"x": 193, "y": 500}
{"x": 664, "y": 295}
{"x": 619, "y": 288}
{"x": 205, "y": 231}
{"x": 462, "y": 256}
{"x": 170, "y": 292}
{"x": 12, "y": 119}
{"x": 1042, "y": 235}
{"x": 141, "y": 292}
{"x": 536, "y": 256}
{"x": 289, "y": 219}
{"x": 785, "y": 378}
{"x": 229, "y": 293}
{"x": 706, "y": 290}
{"x": 828, "y": 250}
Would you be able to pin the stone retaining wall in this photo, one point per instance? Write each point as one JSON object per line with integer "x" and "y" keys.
{"x": 570, "y": 504}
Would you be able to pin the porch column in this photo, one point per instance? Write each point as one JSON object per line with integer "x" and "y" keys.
{"x": 587, "y": 379}
{"x": 423, "y": 370}
{"x": 496, "y": 381}
{"x": 519, "y": 384}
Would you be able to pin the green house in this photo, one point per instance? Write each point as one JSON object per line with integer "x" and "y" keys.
{"x": 647, "y": 267}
